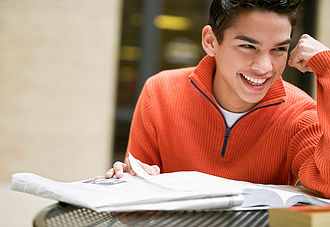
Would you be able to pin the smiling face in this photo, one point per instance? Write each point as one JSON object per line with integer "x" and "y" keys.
{"x": 251, "y": 56}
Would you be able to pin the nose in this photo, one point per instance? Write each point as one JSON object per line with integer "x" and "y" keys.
{"x": 262, "y": 64}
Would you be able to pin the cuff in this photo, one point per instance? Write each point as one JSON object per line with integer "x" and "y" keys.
{"x": 320, "y": 62}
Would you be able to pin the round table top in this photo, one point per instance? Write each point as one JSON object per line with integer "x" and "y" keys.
{"x": 62, "y": 214}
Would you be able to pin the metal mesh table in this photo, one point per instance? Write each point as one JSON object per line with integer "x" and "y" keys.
{"x": 61, "y": 214}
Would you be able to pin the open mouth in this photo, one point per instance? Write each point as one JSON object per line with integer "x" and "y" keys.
{"x": 253, "y": 81}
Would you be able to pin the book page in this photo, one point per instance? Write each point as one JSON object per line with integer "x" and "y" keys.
{"x": 292, "y": 195}
{"x": 188, "y": 180}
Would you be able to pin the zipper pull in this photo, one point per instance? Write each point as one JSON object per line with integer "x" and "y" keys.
{"x": 227, "y": 133}
{"x": 225, "y": 141}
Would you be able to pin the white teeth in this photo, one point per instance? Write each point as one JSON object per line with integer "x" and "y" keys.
{"x": 254, "y": 81}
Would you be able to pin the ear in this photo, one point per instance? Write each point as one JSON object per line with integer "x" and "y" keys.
{"x": 209, "y": 41}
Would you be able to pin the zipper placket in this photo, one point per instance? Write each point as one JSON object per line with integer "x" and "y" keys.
{"x": 228, "y": 129}
{"x": 224, "y": 146}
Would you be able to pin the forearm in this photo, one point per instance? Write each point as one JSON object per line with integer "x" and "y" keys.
{"x": 314, "y": 173}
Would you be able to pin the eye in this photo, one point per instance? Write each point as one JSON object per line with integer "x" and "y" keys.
{"x": 247, "y": 46}
{"x": 281, "y": 49}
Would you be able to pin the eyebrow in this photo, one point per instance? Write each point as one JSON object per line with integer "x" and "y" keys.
{"x": 251, "y": 40}
{"x": 288, "y": 41}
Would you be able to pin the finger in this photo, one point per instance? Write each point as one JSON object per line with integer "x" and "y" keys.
{"x": 156, "y": 169}
{"x": 152, "y": 170}
{"x": 300, "y": 66}
{"x": 110, "y": 173}
{"x": 144, "y": 166}
{"x": 303, "y": 67}
{"x": 292, "y": 58}
{"x": 129, "y": 167}
{"x": 293, "y": 52}
{"x": 296, "y": 62}
{"x": 118, "y": 168}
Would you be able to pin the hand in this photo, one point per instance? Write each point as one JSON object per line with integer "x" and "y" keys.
{"x": 119, "y": 168}
{"x": 306, "y": 48}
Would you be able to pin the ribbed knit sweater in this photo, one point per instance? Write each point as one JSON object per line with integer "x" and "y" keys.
{"x": 285, "y": 138}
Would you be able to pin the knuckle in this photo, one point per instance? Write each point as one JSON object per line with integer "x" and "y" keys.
{"x": 156, "y": 167}
{"x": 118, "y": 165}
{"x": 305, "y": 36}
{"x": 110, "y": 173}
{"x": 117, "y": 162}
{"x": 110, "y": 170}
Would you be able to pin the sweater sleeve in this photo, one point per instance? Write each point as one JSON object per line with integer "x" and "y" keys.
{"x": 142, "y": 142}
{"x": 312, "y": 162}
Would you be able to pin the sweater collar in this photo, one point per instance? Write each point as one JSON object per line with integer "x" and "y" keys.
{"x": 202, "y": 76}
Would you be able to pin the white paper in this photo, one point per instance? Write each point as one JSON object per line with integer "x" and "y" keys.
{"x": 125, "y": 194}
{"x": 186, "y": 190}
{"x": 187, "y": 180}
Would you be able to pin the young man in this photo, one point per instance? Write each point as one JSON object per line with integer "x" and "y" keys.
{"x": 232, "y": 115}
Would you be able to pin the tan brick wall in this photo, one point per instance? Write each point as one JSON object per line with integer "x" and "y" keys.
{"x": 58, "y": 67}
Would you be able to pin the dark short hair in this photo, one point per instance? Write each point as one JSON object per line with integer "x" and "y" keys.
{"x": 224, "y": 12}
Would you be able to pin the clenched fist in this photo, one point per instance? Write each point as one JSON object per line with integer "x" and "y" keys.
{"x": 306, "y": 48}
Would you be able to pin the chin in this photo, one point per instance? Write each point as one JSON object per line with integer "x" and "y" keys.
{"x": 253, "y": 101}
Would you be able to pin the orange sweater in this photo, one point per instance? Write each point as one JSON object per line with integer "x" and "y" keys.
{"x": 286, "y": 137}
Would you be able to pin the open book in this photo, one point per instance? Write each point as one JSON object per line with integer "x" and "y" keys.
{"x": 186, "y": 190}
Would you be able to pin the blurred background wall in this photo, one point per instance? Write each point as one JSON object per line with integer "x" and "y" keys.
{"x": 323, "y": 26}
{"x": 58, "y": 79}
{"x": 58, "y": 73}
